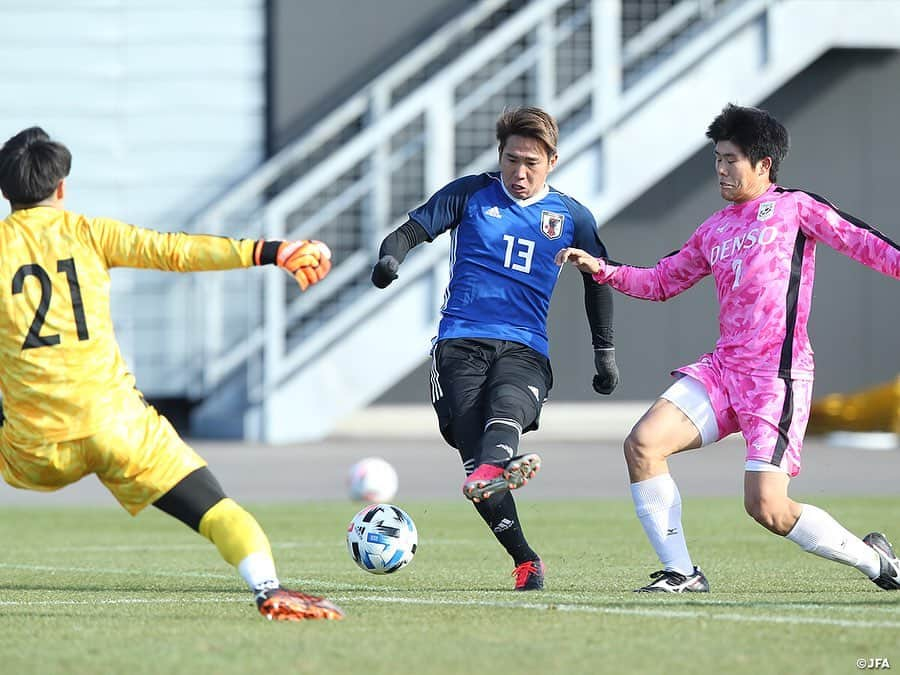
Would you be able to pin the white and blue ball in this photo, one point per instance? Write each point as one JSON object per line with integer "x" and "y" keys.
{"x": 382, "y": 538}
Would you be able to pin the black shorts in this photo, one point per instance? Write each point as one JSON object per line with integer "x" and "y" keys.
{"x": 477, "y": 379}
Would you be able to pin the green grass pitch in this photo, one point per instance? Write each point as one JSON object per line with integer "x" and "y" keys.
{"x": 91, "y": 590}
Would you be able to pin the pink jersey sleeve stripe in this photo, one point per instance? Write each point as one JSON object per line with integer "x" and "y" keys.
{"x": 850, "y": 218}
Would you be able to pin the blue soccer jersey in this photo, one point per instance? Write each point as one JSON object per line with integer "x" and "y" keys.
{"x": 502, "y": 272}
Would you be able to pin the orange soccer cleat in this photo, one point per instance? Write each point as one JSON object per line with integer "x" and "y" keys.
{"x": 282, "y": 604}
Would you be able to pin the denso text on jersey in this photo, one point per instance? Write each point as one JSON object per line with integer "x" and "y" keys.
{"x": 754, "y": 237}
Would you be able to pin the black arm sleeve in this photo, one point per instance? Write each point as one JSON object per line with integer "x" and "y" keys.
{"x": 599, "y": 306}
{"x": 399, "y": 242}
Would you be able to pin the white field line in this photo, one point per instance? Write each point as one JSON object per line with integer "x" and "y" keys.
{"x": 648, "y": 612}
{"x": 708, "y": 611}
{"x": 102, "y": 570}
{"x": 546, "y": 607}
{"x": 122, "y": 601}
{"x": 319, "y": 585}
{"x": 312, "y": 583}
{"x": 203, "y": 544}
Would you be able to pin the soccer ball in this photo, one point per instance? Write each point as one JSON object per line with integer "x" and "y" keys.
{"x": 372, "y": 480}
{"x": 382, "y": 538}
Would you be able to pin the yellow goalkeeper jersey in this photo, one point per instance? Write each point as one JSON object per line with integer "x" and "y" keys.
{"x": 60, "y": 365}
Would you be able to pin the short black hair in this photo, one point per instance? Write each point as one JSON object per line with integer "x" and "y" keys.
{"x": 31, "y": 166}
{"x": 756, "y": 132}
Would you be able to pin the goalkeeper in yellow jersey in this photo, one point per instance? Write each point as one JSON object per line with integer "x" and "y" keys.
{"x": 71, "y": 405}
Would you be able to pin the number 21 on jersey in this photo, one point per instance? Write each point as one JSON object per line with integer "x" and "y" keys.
{"x": 519, "y": 253}
{"x": 67, "y": 267}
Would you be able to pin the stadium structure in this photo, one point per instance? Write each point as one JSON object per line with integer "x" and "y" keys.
{"x": 271, "y": 118}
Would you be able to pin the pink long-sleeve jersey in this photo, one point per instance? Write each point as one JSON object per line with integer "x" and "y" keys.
{"x": 762, "y": 256}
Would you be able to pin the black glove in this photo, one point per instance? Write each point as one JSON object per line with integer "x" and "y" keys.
{"x": 385, "y": 271}
{"x": 607, "y": 376}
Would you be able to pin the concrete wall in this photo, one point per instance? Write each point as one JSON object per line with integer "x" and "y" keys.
{"x": 841, "y": 114}
{"x": 321, "y": 53}
{"x": 162, "y": 104}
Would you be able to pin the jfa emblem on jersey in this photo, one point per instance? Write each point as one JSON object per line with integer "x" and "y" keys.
{"x": 552, "y": 224}
{"x": 766, "y": 209}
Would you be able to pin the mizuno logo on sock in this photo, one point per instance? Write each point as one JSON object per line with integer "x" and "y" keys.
{"x": 671, "y": 531}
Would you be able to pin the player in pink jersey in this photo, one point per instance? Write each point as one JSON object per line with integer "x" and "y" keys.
{"x": 760, "y": 250}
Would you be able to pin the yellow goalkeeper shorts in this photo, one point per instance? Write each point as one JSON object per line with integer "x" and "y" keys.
{"x": 139, "y": 457}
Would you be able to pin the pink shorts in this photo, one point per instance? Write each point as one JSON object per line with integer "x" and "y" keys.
{"x": 770, "y": 412}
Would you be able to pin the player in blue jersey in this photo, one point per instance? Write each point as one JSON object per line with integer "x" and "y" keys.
{"x": 490, "y": 361}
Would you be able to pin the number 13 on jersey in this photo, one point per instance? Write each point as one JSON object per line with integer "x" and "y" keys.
{"x": 518, "y": 250}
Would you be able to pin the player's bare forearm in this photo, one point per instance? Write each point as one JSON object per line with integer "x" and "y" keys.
{"x": 583, "y": 260}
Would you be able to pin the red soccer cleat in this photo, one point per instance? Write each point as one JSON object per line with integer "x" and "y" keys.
{"x": 530, "y": 575}
{"x": 489, "y": 479}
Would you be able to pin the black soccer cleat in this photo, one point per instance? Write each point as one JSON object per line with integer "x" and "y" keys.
{"x": 530, "y": 575}
{"x": 670, "y": 581}
{"x": 889, "y": 578}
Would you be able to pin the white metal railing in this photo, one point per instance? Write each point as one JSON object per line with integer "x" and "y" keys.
{"x": 566, "y": 55}
{"x": 668, "y": 69}
{"x": 214, "y": 357}
{"x": 368, "y": 104}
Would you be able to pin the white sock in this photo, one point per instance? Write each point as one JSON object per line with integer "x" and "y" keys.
{"x": 818, "y": 533}
{"x": 657, "y": 503}
{"x": 258, "y": 570}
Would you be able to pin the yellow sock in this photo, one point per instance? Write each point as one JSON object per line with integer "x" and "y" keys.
{"x": 240, "y": 540}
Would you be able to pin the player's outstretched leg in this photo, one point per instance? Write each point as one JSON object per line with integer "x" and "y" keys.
{"x": 200, "y": 503}
{"x": 242, "y": 542}
{"x": 495, "y": 504}
{"x": 889, "y": 578}
{"x": 670, "y": 581}
{"x": 490, "y": 479}
{"x": 501, "y": 516}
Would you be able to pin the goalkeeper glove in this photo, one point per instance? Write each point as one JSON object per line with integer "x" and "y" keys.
{"x": 385, "y": 271}
{"x": 607, "y": 376}
{"x": 308, "y": 261}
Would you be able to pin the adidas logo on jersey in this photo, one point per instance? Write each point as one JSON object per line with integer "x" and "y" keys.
{"x": 493, "y": 212}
